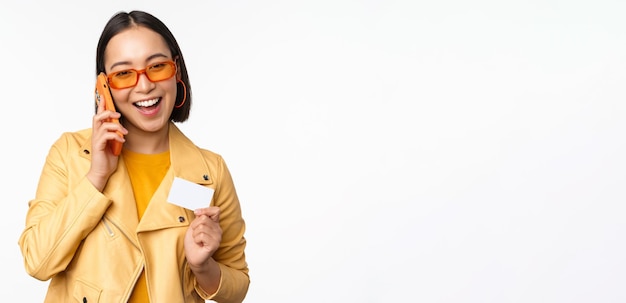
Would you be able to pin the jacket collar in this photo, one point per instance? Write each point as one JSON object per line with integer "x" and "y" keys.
{"x": 186, "y": 162}
{"x": 186, "y": 158}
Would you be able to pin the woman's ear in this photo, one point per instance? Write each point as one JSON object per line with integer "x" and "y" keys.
{"x": 178, "y": 72}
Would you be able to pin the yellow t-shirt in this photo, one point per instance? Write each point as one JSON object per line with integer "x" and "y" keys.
{"x": 146, "y": 171}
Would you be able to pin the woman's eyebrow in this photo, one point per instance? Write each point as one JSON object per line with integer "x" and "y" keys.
{"x": 157, "y": 55}
{"x": 119, "y": 63}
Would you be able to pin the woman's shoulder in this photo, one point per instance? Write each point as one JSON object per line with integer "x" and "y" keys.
{"x": 73, "y": 138}
{"x": 207, "y": 153}
{"x": 183, "y": 145}
{"x": 80, "y": 135}
{"x": 212, "y": 158}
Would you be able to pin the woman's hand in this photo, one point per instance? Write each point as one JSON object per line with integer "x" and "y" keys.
{"x": 103, "y": 162}
{"x": 203, "y": 237}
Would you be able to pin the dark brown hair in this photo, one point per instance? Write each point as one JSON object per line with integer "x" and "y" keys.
{"x": 124, "y": 20}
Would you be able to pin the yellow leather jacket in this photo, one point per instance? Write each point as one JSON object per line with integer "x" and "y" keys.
{"x": 92, "y": 246}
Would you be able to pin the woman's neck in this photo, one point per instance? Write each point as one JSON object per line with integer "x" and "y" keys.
{"x": 143, "y": 142}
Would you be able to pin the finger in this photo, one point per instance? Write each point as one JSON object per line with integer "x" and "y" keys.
{"x": 207, "y": 235}
{"x": 204, "y": 223}
{"x": 103, "y": 117}
{"x": 113, "y": 135}
{"x": 207, "y": 230}
{"x": 115, "y": 128}
{"x": 100, "y": 105}
{"x": 212, "y": 212}
{"x": 104, "y": 121}
{"x": 107, "y": 115}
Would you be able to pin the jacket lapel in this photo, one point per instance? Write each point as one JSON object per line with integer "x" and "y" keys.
{"x": 188, "y": 163}
{"x": 123, "y": 210}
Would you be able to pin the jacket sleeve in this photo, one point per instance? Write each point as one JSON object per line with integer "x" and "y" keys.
{"x": 230, "y": 255}
{"x": 65, "y": 209}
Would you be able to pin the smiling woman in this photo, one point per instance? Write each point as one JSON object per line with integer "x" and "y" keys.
{"x": 383, "y": 151}
{"x": 100, "y": 225}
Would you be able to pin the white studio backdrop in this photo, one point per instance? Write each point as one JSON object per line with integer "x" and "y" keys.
{"x": 383, "y": 151}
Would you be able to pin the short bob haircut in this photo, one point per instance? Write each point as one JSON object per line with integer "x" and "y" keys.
{"x": 122, "y": 21}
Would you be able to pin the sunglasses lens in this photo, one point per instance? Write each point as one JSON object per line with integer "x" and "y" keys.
{"x": 123, "y": 79}
{"x": 160, "y": 71}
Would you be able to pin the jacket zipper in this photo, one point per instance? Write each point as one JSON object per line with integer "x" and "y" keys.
{"x": 105, "y": 221}
{"x": 108, "y": 228}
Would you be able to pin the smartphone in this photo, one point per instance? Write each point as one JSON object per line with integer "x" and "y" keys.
{"x": 103, "y": 93}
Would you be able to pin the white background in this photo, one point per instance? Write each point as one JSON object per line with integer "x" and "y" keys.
{"x": 383, "y": 151}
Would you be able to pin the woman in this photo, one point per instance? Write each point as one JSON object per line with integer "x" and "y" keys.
{"x": 100, "y": 225}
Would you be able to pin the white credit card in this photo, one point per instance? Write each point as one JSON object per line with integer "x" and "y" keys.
{"x": 190, "y": 195}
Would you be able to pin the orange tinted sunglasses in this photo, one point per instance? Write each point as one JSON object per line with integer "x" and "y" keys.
{"x": 129, "y": 77}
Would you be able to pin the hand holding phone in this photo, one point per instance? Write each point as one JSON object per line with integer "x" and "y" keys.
{"x": 104, "y": 94}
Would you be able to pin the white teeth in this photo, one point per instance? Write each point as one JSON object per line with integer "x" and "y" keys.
{"x": 147, "y": 103}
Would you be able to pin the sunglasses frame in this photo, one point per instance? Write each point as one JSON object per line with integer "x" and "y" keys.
{"x": 142, "y": 71}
